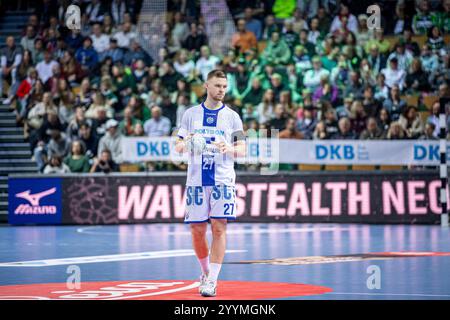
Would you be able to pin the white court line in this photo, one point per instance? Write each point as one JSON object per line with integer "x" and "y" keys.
{"x": 390, "y": 294}
{"x": 191, "y": 286}
{"x": 106, "y": 258}
{"x": 229, "y": 232}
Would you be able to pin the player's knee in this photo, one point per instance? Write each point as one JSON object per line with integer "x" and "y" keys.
{"x": 198, "y": 231}
{"x": 218, "y": 229}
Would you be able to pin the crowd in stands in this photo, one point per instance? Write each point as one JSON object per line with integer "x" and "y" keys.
{"x": 309, "y": 68}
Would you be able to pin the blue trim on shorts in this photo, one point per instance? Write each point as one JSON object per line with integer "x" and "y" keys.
{"x": 228, "y": 218}
{"x": 188, "y": 222}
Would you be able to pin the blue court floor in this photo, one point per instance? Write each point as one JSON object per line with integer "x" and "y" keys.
{"x": 410, "y": 262}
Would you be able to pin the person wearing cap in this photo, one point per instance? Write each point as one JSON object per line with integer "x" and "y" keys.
{"x": 111, "y": 141}
{"x": 243, "y": 40}
{"x": 311, "y": 79}
{"x": 87, "y": 56}
{"x": 394, "y": 75}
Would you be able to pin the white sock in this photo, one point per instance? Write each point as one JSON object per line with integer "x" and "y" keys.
{"x": 204, "y": 264}
{"x": 214, "y": 269}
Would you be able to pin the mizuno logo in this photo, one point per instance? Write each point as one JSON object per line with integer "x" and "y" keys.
{"x": 34, "y": 199}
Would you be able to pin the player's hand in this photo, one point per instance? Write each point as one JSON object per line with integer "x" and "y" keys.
{"x": 223, "y": 147}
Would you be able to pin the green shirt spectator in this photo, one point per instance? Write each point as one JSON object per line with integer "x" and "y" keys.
{"x": 77, "y": 161}
{"x": 277, "y": 50}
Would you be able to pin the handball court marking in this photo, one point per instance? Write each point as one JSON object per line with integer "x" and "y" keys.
{"x": 91, "y": 230}
{"x": 106, "y": 258}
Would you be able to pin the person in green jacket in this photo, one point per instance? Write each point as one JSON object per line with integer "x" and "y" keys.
{"x": 284, "y": 8}
{"x": 77, "y": 161}
{"x": 277, "y": 50}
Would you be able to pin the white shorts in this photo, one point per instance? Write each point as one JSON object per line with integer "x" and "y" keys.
{"x": 210, "y": 202}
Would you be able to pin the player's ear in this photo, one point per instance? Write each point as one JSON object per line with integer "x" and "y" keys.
{"x": 205, "y": 85}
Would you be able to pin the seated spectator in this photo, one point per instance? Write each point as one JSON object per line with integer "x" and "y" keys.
{"x": 266, "y": 108}
{"x": 423, "y": 19}
{"x": 125, "y": 35}
{"x": 87, "y": 56}
{"x": 289, "y": 36}
{"x": 345, "y": 110}
{"x": 371, "y": 106}
{"x": 114, "y": 52}
{"x": 416, "y": 80}
{"x": 252, "y": 24}
{"x": 311, "y": 79}
{"x": 434, "y": 117}
{"x": 269, "y": 27}
{"x": 430, "y": 61}
{"x": 396, "y": 132}
{"x": 303, "y": 41}
{"x": 278, "y": 122}
{"x": 124, "y": 84}
{"x": 411, "y": 122}
{"x": 372, "y": 131}
{"x": 37, "y": 113}
{"x": 56, "y": 166}
{"x": 98, "y": 103}
{"x": 243, "y": 40}
{"x": 358, "y": 117}
{"x": 345, "y": 132}
{"x": 158, "y": 125}
{"x": 307, "y": 124}
{"x": 169, "y": 76}
{"x": 436, "y": 41}
{"x": 428, "y": 133}
{"x": 135, "y": 53}
{"x": 27, "y": 41}
{"x": 381, "y": 89}
{"x": 379, "y": 41}
{"x": 394, "y": 104}
{"x": 74, "y": 40}
{"x": 254, "y": 94}
{"x": 276, "y": 51}
{"x": 10, "y": 59}
{"x": 384, "y": 121}
{"x": 180, "y": 30}
{"x": 404, "y": 57}
{"x": 183, "y": 64}
{"x": 331, "y": 124}
{"x": 25, "y": 88}
{"x": 111, "y": 141}
{"x": 351, "y": 22}
{"x": 206, "y": 63}
{"x": 195, "y": 40}
{"x": 326, "y": 91}
{"x": 58, "y": 144}
{"x": 290, "y": 131}
{"x": 77, "y": 161}
{"x": 301, "y": 59}
{"x": 104, "y": 163}
{"x": 95, "y": 11}
{"x": 277, "y": 86}
{"x": 376, "y": 59}
{"x": 71, "y": 69}
{"x": 128, "y": 125}
{"x": 100, "y": 41}
{"x": 394, "y": 75}
{"x": 89, "y": 139}
{"x": 320, "y": 132}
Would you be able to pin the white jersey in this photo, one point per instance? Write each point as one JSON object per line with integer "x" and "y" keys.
{"x": 220, "y": 125}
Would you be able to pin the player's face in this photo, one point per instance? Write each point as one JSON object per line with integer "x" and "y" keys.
{"x": 216, "y": 88}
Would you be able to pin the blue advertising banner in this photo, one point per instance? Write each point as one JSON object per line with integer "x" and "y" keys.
{"x": 35, "y": 201}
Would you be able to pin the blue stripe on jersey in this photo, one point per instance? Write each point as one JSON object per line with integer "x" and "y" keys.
{"x": 208, "y": 165}
{"x": 210, "y": 116}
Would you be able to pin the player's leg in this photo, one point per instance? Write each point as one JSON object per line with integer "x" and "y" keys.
{"x": 200, "y": 245}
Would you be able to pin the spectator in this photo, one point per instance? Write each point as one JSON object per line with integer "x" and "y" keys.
{"x": 269, "y": 27}
{"x": 436, "y": 41}
{"x": 71, "y": 69}
{"x": 184, "y": 65}
{"x": 243, "y": 40}
{"x": 434, "y": 118}
{"x": 56, "y": 166}
{"x": 326, "y": 91}
{"x": 394, "y": 104}
{"x": 27, "y": 41}
{"x": 111, "y": 141}
{"x": 206, "y": 63}
{"x": 277, "y": 85}
{"x": 428, "y": 133}
{"x": 331, "y": 124}
{"x": 376, "y": 59}
{"x": 354, "y": 87}
{"x": 88, "y": 138}
{"x": 314, "y": 34}
{"x": 344, "y": 15}
{"x": 358, "y": 117}
{"x": 169, "y": 76}
{"x": 404, "y": 57}
{"x": 10, "y": 58}
{"x": 113, "y": 52}
{"x": 95, "y": 11}
{"x": 324, "y": 20}
{"x": 98, "y": 103}
{"x": 158, "y": 125}
{"x": 307, "y": 124}
{"x": 276, "y": 51}
{"x": 320, "y": 132}
{"x": 195, "y": 40}
{"x": 87, "y": 56}
{"x": 381, "y": 89}
{"x": 416, "y": 80}
{"x": 370, "y": 105}
{"x": 394, "y": 75}
{"x": 125, "y": 36}
{"x": 430, "y": 61}
{"x": 303, "y": 40}
{"x": 266, "y": 108}
{"x": 423, "y": 19}
{"x": 410, "y": 44}
{"x": 77, "y": 161}
{"x": 58, "y": 144}
{"x": 411, "y": 122}
{"x": 37, "y": 113}
{"x": 74, "y": 40}
{"x": 278, "y": 122}
{"x": 252, "y": 24}
{"x": 105, "y": 163}
{"x": 124, "y": 84}
{"x": 372, "y": 131}
{"x": 127, "y": 125}
{"x": 290, "y": 131}
{"x": 289, "y": 36}
{"x": 379, "y": 41}
{"x": 301, "y": 59}
{"x": 345, "y": 132}
{"x": 311, "y": 79}
{"x": 395, "y": 132}
{"x": 136, "y": 53}
{"x": 254, "y": 94}
{"x": 100, "y": 41}
{"x": 384, "y": 121}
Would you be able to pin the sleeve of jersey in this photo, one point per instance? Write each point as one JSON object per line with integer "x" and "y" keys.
{"x": 184, "y": 128}
{"x": 238, "y": 130}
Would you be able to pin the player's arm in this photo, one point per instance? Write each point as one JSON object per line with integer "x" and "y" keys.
{"x": 181, "y": 144}
{"x": 237, "y": 149}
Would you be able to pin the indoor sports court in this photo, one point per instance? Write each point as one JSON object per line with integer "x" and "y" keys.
{"x": 224, "y": 150}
